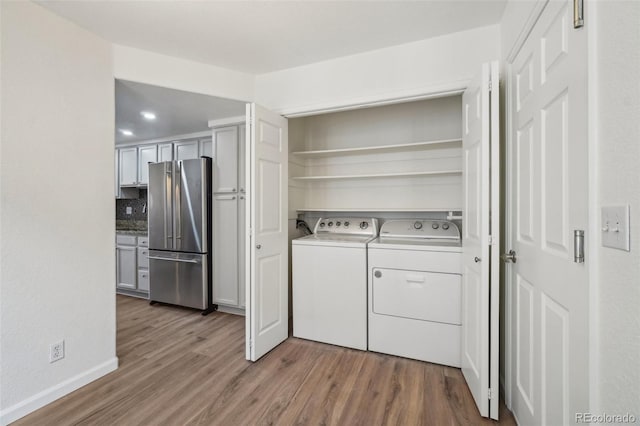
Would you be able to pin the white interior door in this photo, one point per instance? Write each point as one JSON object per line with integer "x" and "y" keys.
{"x": 267, "y": 242}
{"x": 481, "y": 221}
{"x": 548, "y": 163}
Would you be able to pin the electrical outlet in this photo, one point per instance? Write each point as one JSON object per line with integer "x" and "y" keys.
{"x": 56, "y": 351}
{"x": 129, "y": 210}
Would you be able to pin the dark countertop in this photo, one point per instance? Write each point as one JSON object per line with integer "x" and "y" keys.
{"x": 131, "y": 227}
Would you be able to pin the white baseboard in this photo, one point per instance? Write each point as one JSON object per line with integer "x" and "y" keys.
{"x": 47, "y": 396}
{"x": 231, "y": 310}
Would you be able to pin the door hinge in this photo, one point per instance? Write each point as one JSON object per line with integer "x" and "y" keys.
{"x": 578, "y": 13}
{"x": 490, "y": 240}
{"x": 490, "y": 394}
{"x": 251, "y": 232}
{"x": 490, "y": 85}
{"x": 251, "y": 344}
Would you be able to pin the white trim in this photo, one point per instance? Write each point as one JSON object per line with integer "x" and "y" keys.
{"x": 452, "y": 88}
{"x": 176, "y": 138}
{"x": 231, "y": 310}
{"x": 49, "y": 395}
{"x": 531, "y": 21}
{"x": 241, "y": 119}
{"x": 508, "y": 239}
{"x": 593, "y": 246}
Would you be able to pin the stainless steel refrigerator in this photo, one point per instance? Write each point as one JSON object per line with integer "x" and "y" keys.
{"x": 180, "y": 233}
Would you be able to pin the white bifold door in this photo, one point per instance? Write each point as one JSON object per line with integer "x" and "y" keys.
{"x": 480, "y": 241}
{"x": 266, "y": 216}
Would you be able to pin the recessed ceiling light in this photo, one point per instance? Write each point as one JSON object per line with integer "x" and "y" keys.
{"x": 126, "y": 132}
{"x": 148, "y": 115}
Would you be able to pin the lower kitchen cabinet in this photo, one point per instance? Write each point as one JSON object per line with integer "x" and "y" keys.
{"x": 126, "y": 267}
{"x": 132, "y": 265}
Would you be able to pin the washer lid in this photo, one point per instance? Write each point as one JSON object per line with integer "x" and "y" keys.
{"x": 327, "y": 239}
{"x": 421, "y": 229}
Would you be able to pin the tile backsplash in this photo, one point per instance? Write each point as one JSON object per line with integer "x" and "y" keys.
{"x": 136, "y": 204}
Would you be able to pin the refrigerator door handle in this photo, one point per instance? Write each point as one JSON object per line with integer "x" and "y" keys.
{"x": 167, "y": 201}
{"x": 171, "y": 259}
{"x": 178, "y": 202}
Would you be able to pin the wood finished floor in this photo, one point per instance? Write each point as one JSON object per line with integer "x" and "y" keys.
{"x": 179, "y": 368}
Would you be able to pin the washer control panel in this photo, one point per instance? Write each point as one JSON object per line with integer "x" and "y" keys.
{"x": 348, "y": 225}
{"x": 420, "y": 228}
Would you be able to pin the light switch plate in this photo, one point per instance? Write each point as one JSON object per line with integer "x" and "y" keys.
{"x": 615, "y": 227}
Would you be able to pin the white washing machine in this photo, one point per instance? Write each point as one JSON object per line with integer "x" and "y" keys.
{"x": 330, "y": 282}
{"x": 415, "y": 290}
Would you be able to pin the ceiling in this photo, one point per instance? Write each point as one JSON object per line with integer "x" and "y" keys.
{"x": 177, "y": 112}
{"x": 262, "y": 36}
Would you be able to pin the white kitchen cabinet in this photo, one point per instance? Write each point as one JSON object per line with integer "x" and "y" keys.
{"x": 165, "y": 152}
{"x": 128, "y": 163}
{"x": 146, "y": 154}
{"x": 143, "y": 280}
{"x": 185, "y": 150}
{"x": 116, "y": 161}
{"x": 225, "y": 154}
{"x": 126, "y": 270}
{"x": 132, "y": 264}
{"x": 242, "y": 206}
{"x": 206, "y": 147}
{"x": 225, "y": 242}
{"x": 229, "y": 210}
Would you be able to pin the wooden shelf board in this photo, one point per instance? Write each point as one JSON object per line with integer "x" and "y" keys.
{"x": 366, "y": 149}
{"x": 380, "y": 175}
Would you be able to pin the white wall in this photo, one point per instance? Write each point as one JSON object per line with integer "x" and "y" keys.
{"x": 401, "y": 71}
{"x": 165, "y": 71}
{"x": 57, "y": 220}
{"x": 617, "y": 108}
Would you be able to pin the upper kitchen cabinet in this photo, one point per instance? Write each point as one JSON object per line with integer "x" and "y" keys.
{"x": 128, "y": 162}
{"x": 165, "y": 152}
{"x": 146, "y": 154}
{"x": 206, "y": 147}
{"x": 185, "y": 150}
{"x": 225, "y": 146}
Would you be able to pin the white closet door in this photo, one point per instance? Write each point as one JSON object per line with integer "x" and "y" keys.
{"x": 480, "y": 323}
{"x": 267, "y": 242}
{"x": 549, "y": 201}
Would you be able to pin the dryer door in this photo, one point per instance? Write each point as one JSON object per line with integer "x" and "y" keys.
{"x": 420, "y": 295}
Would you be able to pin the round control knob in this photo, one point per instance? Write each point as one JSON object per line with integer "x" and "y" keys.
{"x": 364, "y": 225}
{"x": 330, "y": 224}
{"x": 445, "y": 226}
{"x": 435, "y": 226}
{"x": 321, "y": 224}
{"x": 346, "y": 223}
{"x": 338, "y": 223}
{"x": 417, "y": 225}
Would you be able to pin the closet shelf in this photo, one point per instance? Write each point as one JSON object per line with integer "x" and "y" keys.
{"x": 384, "y": 209}
{"x": 379, "y": 175}
{"x": 373, "y": 149}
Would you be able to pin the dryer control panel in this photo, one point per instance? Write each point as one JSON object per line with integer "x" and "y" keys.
{"x": 348, "y": 225}
{"x": 420, "y": 228}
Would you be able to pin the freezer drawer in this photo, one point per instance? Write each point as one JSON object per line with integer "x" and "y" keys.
{"x": 178, "y": 278}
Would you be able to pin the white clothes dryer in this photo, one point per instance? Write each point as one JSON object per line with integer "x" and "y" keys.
{"x": 330, "y": 282}
{"x": 415, "y": 291}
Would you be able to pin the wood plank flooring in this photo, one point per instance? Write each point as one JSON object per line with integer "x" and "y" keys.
{"x": 179, "y": 368}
